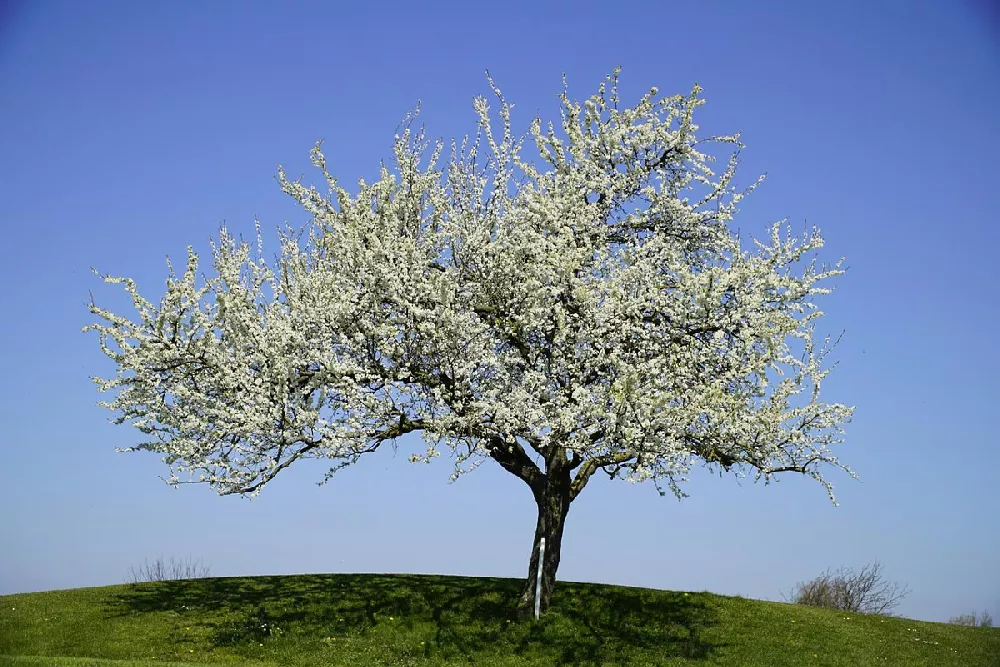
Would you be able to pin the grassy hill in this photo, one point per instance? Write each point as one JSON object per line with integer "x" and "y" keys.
{"x": 366, "y": 619}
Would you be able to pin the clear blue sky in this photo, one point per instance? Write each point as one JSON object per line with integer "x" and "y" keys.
{"x": 130, "y": 130}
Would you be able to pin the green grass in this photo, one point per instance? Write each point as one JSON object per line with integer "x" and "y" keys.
{"x": 361, "y": 620}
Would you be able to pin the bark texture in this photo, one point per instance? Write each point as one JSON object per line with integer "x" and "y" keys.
{"x": 553, "y": 498}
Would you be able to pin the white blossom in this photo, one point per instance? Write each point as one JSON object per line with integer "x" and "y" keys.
{"x": 590, "y": 306}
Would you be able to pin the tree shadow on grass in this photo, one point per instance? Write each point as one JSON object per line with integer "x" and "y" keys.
{"x": 459, "y": 617}
{"x": 609, "y": 623}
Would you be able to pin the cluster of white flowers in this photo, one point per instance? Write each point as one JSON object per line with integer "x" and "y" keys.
{"x": 593, "y": 310}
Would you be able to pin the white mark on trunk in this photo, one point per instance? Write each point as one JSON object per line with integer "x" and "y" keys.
{"x": 538, "y": 578}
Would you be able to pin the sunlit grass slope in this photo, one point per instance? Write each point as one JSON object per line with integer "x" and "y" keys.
{"x": 367, "y": 619}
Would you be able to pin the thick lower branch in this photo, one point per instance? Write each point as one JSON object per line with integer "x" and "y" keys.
{"x": 512, "y": 458}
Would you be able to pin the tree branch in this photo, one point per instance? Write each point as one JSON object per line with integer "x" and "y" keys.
{"x": 375, "y": 440}
{"x": 590, "y": 466}
{"x": 513, "y": 459}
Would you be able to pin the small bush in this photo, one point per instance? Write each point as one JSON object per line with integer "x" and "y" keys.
{"x": 972, "y": 621}
{"x": 160, "y": 570}
{"x": 864, "y": 592}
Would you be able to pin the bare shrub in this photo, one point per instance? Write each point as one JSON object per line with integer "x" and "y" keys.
{"x": 160, "y": 570}
{"x": 972, "y": 621}
{"x": 865, "y": 591}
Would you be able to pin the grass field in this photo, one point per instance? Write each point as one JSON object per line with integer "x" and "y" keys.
{"x": 366, "y": 619}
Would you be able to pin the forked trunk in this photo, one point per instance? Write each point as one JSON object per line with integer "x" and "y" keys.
{"x": 553, "y": 500}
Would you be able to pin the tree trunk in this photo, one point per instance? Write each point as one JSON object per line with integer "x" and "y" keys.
{"x": 553, "y": 500}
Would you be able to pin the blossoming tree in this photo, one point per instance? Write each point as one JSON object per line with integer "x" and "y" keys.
{"x": 586, "y": 311}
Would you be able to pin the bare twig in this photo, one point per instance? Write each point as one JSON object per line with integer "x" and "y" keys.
{"x": 160, "y": 570}
{"x": 864, "y": 592}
